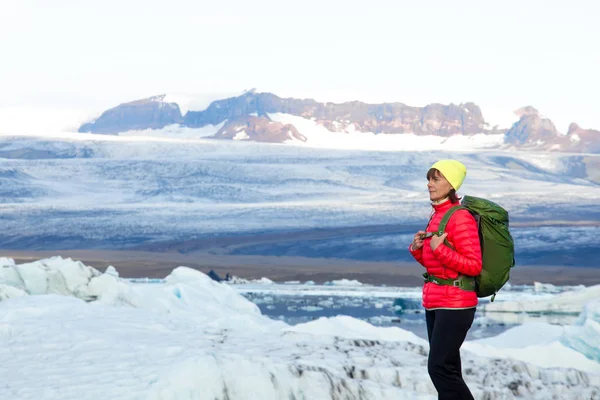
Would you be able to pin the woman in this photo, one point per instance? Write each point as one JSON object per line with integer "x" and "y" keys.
{"x": 451, "y": 260}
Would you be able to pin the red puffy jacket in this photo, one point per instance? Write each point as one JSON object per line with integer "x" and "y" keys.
{"x": 446, "y": 263}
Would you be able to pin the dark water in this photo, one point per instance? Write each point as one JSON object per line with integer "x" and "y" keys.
{"x": 405, "y": 313}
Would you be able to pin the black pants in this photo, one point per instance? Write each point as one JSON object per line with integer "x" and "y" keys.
{"x": 447, "y": 330}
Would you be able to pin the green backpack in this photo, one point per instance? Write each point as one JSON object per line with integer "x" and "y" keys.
{"x": 497, "y": 246}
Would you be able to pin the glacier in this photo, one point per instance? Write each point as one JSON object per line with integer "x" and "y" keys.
{"x": 94, "y": 191}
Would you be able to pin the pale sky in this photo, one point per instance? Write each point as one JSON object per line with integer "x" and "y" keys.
{"x": 501, "y": 55}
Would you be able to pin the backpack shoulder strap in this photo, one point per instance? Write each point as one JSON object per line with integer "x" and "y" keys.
{"x": 444, "y": 222}
{"x": 446, "y": 218}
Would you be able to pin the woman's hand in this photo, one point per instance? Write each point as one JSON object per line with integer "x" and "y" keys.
{"x": 437, "y": 240}
{"x": 417, "y": 241}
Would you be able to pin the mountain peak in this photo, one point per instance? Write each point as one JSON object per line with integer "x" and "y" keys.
{"x": 573, "y": 128}
{"x": 527, "y": 111}
{"x": 149, "y": 113}
{"x": 153, "y": 99}
{"x": 532, "y": 129}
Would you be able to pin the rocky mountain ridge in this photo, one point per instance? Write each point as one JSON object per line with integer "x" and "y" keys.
{"x": 246, "y": 117}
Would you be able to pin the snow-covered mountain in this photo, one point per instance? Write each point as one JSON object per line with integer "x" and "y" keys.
{"x": 535, "y": 131}
{"x": 249, "y": 116}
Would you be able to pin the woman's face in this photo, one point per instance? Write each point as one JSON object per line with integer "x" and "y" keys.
{"x": 438, "y": 187}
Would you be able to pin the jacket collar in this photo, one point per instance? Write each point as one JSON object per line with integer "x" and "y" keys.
{"x": 444, "y": 205}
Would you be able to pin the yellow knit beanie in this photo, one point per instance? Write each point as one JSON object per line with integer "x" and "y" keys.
{"x": 454, "y": 171}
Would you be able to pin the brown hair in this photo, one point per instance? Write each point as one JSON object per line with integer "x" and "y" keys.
{"x": 452, "y": 193}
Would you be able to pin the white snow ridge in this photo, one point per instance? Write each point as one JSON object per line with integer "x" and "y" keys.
{"x": 68, "y": 331}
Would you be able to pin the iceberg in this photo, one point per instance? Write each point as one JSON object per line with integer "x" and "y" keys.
{"x": 562, "y": 303}
{"x": 584, "y": 335}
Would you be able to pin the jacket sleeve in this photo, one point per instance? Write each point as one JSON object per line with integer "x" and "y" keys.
{"x": 417, "y": 254}
{"x": 464, "y": 236}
